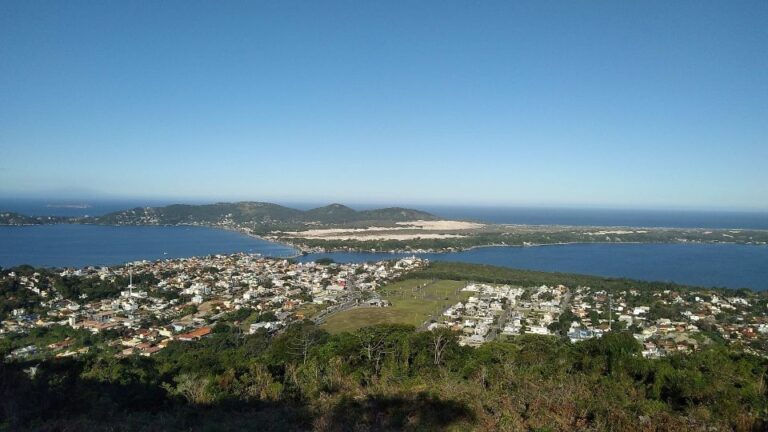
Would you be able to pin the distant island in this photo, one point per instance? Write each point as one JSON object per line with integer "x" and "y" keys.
{"x": 69, "y": 206}
{"x": 336, "y": 227}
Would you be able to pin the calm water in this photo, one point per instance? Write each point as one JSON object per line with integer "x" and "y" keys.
{"x": 721, "y": 265}
{"x": 84, "y": 245}
{"x": 733, "y": 266}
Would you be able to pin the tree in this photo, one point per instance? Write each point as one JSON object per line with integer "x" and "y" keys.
{"x": 376, "y": 342}
{"x": 441, "y": 339}
{"x": 373, "y": 344}
{"x": 192, "y": 387}
{"x": 303, "y": 338}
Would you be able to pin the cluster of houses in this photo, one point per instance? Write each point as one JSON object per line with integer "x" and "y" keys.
{"x": 664, "y": 321}
{"x": 490, "y": 310}
{"x": 668, "y": 321}
{"x": 182, "y": 299}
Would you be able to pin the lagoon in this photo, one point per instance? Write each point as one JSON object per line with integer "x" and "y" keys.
{"x": 71, "y": 245}
{"x": 708, "y": 265}
{"x": 722, "y": 265}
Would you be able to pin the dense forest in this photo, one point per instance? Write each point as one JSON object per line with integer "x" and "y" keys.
{"x": 387, "y": 377}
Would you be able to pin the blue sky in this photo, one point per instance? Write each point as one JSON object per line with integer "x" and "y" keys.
{"x": 611, "y": 104}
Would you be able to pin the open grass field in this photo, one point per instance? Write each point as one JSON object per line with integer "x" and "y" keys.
{"x": 308, "y": 310}
{"x": 413, "y": 302}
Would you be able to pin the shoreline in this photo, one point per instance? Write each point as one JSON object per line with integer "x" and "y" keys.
{"x": 442, "y": 252}
{"x": 302, "y": 250}
{"x": 293, "y": 252}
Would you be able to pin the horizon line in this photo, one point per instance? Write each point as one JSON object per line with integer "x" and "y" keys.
{"x": 163, "y": 201}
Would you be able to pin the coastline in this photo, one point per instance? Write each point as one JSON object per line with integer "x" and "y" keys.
{"x": 302, "y": 249}
{"x": 306, "y": 250}
{"x": 268, "y": 248}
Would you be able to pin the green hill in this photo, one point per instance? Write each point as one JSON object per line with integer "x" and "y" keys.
{"x": 334, "y": 213}
{"x": 257, "y": 213}
{"x": 396, "y": 214}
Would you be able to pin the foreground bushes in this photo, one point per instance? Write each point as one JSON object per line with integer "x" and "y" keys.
{"x": 389, "y": 378}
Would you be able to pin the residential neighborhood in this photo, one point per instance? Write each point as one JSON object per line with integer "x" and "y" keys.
{"x": 140, "y": 307}
{"x": 183, "y": 299}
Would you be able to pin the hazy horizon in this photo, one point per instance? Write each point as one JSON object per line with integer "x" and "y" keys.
{"x": 307, "y": 204}
{"x": 626, "y": 105}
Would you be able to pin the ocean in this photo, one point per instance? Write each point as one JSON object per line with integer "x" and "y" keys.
{"x": 606, "y": 217}
{"x": 501, "y": 215}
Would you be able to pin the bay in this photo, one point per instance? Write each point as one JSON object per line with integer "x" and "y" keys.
{"x": 84, "y": 245}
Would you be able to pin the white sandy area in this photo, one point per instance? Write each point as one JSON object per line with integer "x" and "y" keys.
{"x": 615, "y": 232}
{"x": 441, "y": 225}
{"x": 322, "y": 233}
{"x": 387, "y": 233}
{"x": 384, "y": 236}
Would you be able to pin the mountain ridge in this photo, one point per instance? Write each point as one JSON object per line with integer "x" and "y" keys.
{"x": 261, "y": 213}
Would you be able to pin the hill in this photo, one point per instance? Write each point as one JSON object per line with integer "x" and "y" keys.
{"x": 396, "y": 214}
{"x": 255, "y": 213}
{"x": 334, "y": 213}
{"x": 200, "y": 214}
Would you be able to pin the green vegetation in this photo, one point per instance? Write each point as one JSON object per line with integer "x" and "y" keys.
{"x": 370, "y": 370}
{"x": 413, "y": 301}
{"x": 11, "y": 218}
{"x": 41, "y": 337}
{"x": 539, "y": 235}
{"x": 388, "y": 377}
{"x": 254, "y": 214}
{"x": 13, "y": 295}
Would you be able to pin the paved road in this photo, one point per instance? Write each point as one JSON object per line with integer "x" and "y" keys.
{"x": 333, "y": 310}
{"x": 566, "y": 301}
{"x": 499, "y": 326}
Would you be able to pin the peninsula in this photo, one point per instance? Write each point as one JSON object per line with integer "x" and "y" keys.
{"x": 336, "y": 227}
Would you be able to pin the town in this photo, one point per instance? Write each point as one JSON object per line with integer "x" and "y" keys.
{"x": 183, "y": 299}
{"x": 141, "y": 307}
{"x": 676, "y": 323}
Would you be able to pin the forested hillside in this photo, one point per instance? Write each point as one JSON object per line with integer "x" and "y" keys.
{"x": 388, "y": 378}
{"x": 254, "y": 213}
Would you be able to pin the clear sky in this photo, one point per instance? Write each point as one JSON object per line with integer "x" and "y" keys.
{"x": 592, "y": 103}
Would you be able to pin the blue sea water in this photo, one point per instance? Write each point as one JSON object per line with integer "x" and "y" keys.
{"x": 606, "y": 217}
{"x": 74, "y": 207}
{"x": 84, "y": 245}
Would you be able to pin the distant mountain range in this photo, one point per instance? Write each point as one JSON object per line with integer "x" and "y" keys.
{"x": 249, "y": 213}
